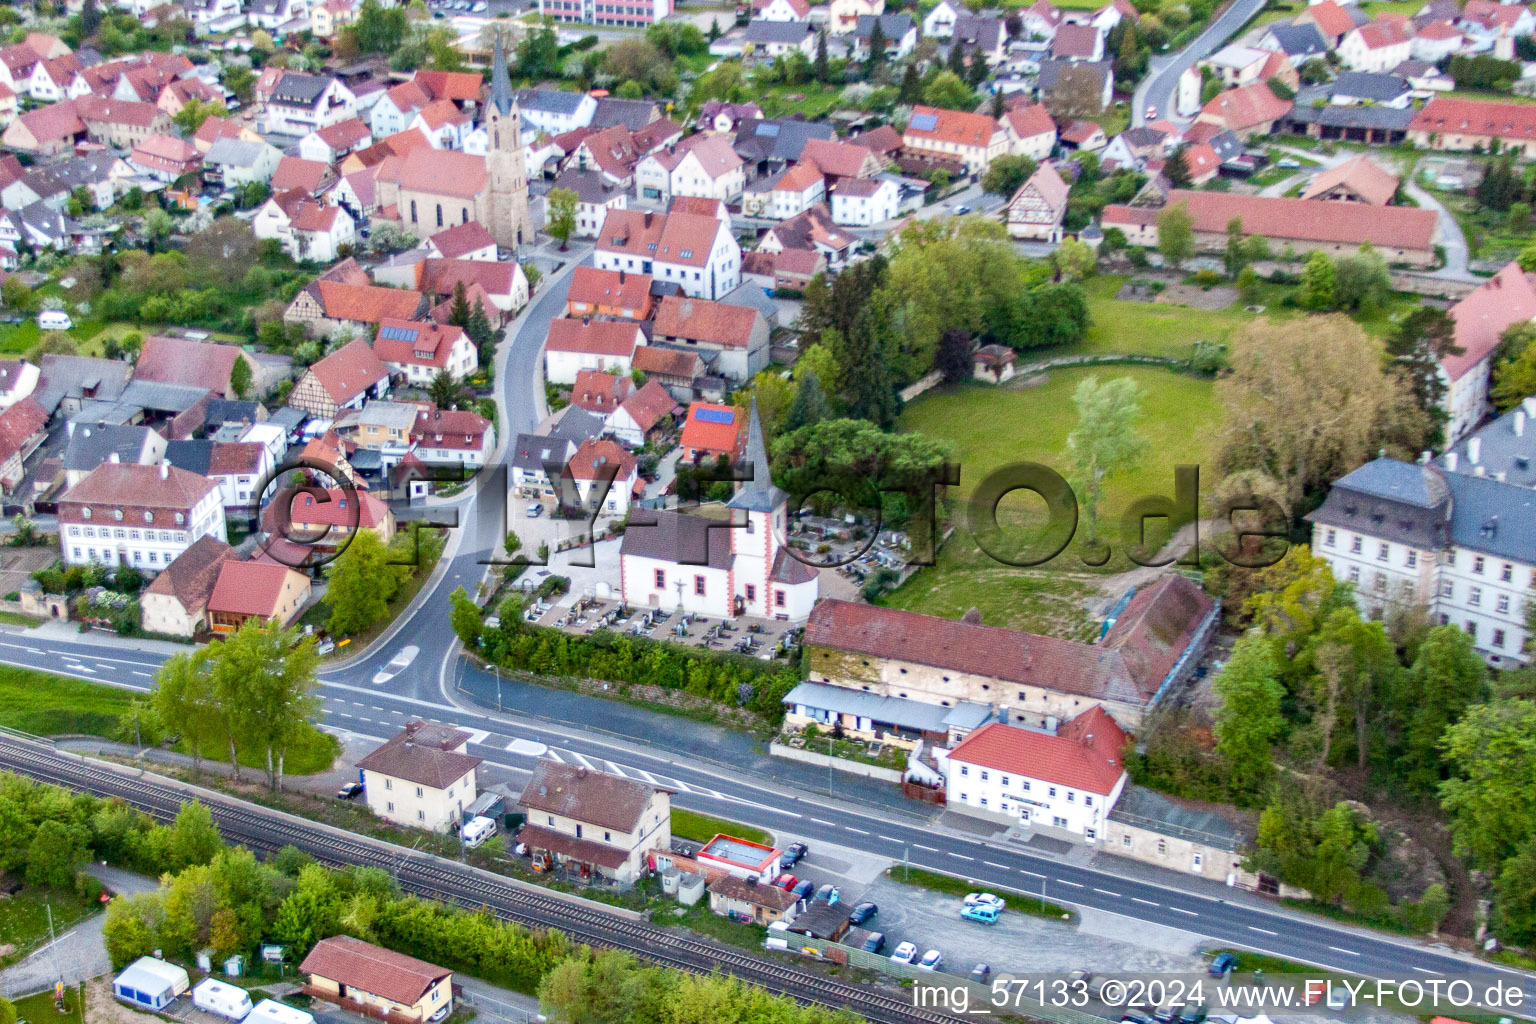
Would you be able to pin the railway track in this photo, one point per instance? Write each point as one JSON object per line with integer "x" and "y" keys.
{"x": 266, "y": 831}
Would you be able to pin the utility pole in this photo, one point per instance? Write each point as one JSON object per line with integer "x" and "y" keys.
{"x": 497, "y": 670}
{"x": 906, "y": 865}
{"x": 53, "y": 945}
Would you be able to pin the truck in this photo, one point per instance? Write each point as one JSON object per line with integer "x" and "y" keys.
{"x": 222, "y": 998}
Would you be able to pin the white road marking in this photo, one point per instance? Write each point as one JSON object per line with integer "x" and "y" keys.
{"x": 476, "y": 736}
{"x": 1341, "y": 949}
{"x": 920, "y": 846}
{"x": 584, "y": 762}
{"x": 1106, "y": 892}
{"x": 1138, "y": 899}
{"x": 888, "y": 839}
{"x": 555, "y": 755}
{"x": 1181, "y": 910}
{"x": 146, "y": 675}
{"x": 994, "y": 864}
{"x": 109, "y": 668}
{"x": 1261, "y": 931}
{"x": 1032, "y": 874}
{"x": 1425, "y": 970}
{"x": 80, "y": 668}
{"x": 960, "y": 856}
{"x": 1075, "y": 885}
{"x": 373, "y": 707}
{"x": 830, "y": 824}
{"x": 860, "y": 831}
{"x": 344, "y": 714}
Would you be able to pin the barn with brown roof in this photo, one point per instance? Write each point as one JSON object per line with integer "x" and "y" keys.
{"x": 183, "y": 361}
{"x": 732, "y": 340}
{"x": 345, "y": 379}
{"x": 176, "y": 602}
{"x": 267, "y": 591}
{"x": 375, "y": 981}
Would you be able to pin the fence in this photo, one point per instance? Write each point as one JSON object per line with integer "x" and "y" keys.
{"x": 489, "y": 1008}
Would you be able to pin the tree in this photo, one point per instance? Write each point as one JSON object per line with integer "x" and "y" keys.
{"x": 953, "y": 358}
{"x": 773, "y": 394}
{"x": 1176, "y": 234}
{"x": 194, "y": 837}
{"x": 90, "y": 21}
{"x": 1308, "y": 401}
{"x": 1248, "y": 290}
{"x": 1491, "y": 754}
{"x": 1514, "y": 899}
{"x": 1417, "y": 345}
{"x": 1445, "y": 679}
{"x": 1075, "y": 260}
{"x": 458, "y": 313}
{"x": 911, "y": 90}
{"x": 195, "y": 111}
{"x": 1235, "y": 258}
{"x": 947, "y": 90}
{"x": 378, "y": 29}
{"x": 56, "y": 852}
{"x": 872, "y": 394}
{"x": 1078, "y": 93}
{"x": 810, "y": 404}
{"x": 240, "y": 379}
{"x": 633, "y": 60}
{"x": 562, "y": 214}
{"x": 1361, "y": 280}
{"x": 820, "y": 67}
{"x": 1514, "y": 366}
{"x": 464, "y": 616}
{"x": 445, "y": 390}
{"x": 1006, "y": 173}
{"x": 1319, "y": 283}
{"x": 184, "y": 694}
{"x": 1248, "y": 719}
{"x": 16, "y": 296}
{"x": 361, "y": 584}
{"x": 877, "y": 53}
{"x": 1356, "y": 679}
{"x": 1105, "y": 442}
{"x": 1176, "y": 168}
{"x": 277, "y": 668}
{"x": 538, "y": 55}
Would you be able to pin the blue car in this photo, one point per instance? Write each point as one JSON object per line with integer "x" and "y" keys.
{"x": 862, "y": 912}
{"x": 1224, "y": 964}
{"x": 804, "y": 888}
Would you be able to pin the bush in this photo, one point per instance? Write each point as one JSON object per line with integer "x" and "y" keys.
{"x": 1207, "y": 278}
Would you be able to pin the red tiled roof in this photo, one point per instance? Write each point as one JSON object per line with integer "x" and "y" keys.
{"x": 18, "y": 425}
{"x": 432, "y": 346}
{"x": 680, "y": 316}
{"x": 250, "y": 588}
{"x": 1201, "y": 160}
{"x": 955, "y": 126}
{"x": 1476, "y": 117}
{"x": 444, "y": 172}
{"x": 615, "y": 288}
{"x": 1328, "y": 16}
{"x": 359, "y": 508}
{"x": 191, "y": 576}
{"x": 372, "y": 969}
{"x": 701, "y": 205}
{"x": 132, "y": 486}
{"x": 165, "y": 152}
{"x": 1073, "y": 40}
{"x": 804, "y": 175}
{"x": 454, "y": 242}
{"x": 881, "y": 141}
{"x": 1154, "y": 630}
{"x": 1385, "y": 31}
{"x": 450, "y": 85}
{"x": 297, "y": 173}
{"x": 598, "y": 391}
{"x": 714, "y": 153}
{"x": 591, "y": 797}
{"x": 648, "y": 405}
{"x": 594, "y": 456}
{"x": 449, "y": 428}
{"x": 437, "y": 276}
{"x": 839, "y": 159}
{"x": 1247, "y": 106}
{"x": 345, "y": 134}
{"x": 1088, "y": 760}
{"x": 1030, "y": 120}
{"x": 214, "y": 128}
{"x": 667, "y": 362}
{"x": 633, "y": 232}
{"x": 366, "y": 303}
{"x": 702, "y": 435}
{"x": 53, "y": 122}
{"x": 1022, "y": 658}
{"x": 1507, "y": 298}
{"x": 1361, "y": 175}
{"x": 349, "y": 371}
{"x": 440, "y": 112}
{"x": 180, "y": 361}
{"x": 687, "y": 238}
{"x": 1391, "y": 227}
{"x": 315, "y": 216}
{"x": 234, "y": 458}
{"x": 599, "y": 337}
{"x": 1439, "y": 30}
{"x": 408, "y": 96}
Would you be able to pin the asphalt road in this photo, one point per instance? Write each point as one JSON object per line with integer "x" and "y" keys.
{"x": 715, "y": 770}
{"x": 1157, "y": 88}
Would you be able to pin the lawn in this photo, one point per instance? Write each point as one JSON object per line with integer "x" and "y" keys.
{"x": 952, "y": 885}
{"x": 1148, "y": 328}
{"x": 1487, "y": 232}
{"x": 49, "y": 705}
{"x": 24, "y": 918}
{"x": 992, "y": 427}
{"x": 812, "y": 100}
{"x": 701, "y": 828}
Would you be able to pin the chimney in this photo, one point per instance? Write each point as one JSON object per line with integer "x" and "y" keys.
{"x": 114, "y": 457}
{"x": 1450, "y": 461}
{"x": 1520, "y": 422}
{"x": 1474, "y": 450}
{"x": 165, "y": 468}
{"x": 648, "y": 215}
{"x": 621, "y": 277}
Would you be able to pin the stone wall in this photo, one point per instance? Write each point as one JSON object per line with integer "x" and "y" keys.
{"x": 842, "y": 764}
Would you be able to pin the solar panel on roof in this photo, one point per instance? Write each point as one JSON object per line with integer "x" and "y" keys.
{"x": 398, "y": 333}
{"x": 925, "y": 122}
{"x": 768, "y": 129}
{"x": 715, "y": 416}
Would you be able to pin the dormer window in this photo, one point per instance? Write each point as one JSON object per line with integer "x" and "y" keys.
{"x": 85, "y": 513}
{"x": 117, "y": 514}
{"x": 149, "y": 517}
{"x": 180, "y": 519}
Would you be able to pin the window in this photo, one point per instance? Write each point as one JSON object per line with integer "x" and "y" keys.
{"x": 550, "y": 819}
{"x": 117, "y": 514}
{"x": 983, "y": 801}
{"x": 1477, "y": 565}
{"x": 1354, "y": 574}
{"x": 85, "y": 513}
{"x": 1087, "y": 800}
{"x": 1507, "y": 573}
{"x": 1005, "y": 782}
{"x": 1026, "y": 785}
{"x": 965, "y": 770}
{"x": 778, "y": 598}
{"x": 1383, "y": 552}
{"x": 389, "y": 783}
{"x": 439, "y": 214}
{"x": 152, "y": 555}
{"x": 1472, "y": 628}
{"x": 751, "y": 593}
{"x": 661, "y": 577}
{"x": 1071, "y": 797}
{"x": 578, "y": 831}
{"x": 1162, "y": 846}
{"x": 1447, "y": 589}
{"x": 1498, "y": 638}
{"x": 698, "y": 585}
{"x": 1089, "y": 833}
{"x": 1502, "y": 604}
{"x": 1125, "y": 840}
{"x": 1412, "y": 560}
{"x": 418, "y": 792}
{"x": 1197, "y": 862}
{"x": 149, "y": 517}
{"x": 1052, "y": 791}
{"x": 1331, "y": 537}
{"x": 985, "y": 775}
{"x": 1059, "y": 822}
{"x": 1354, "y": 544}
{"x": 1474, "y": 596}
{"x": 421, "y": 815}
{"x": 389, "y": 805}
{"x": 413, "y": 213}
{"x": 180, "y": 519}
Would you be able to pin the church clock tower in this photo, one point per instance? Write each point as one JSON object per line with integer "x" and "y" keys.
{"x": 507, "y": 213}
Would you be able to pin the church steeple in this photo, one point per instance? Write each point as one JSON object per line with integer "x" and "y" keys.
{"x": 758, "y": 494}
{"x": 501, "y": 83}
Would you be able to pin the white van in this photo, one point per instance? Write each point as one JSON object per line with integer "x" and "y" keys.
{"x": 219, "y": 997}
{"x": 478, "y": 830}
{"x": 54, "y": 320}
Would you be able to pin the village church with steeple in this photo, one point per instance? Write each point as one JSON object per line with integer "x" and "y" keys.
{"x": 507, "y": 207}
{"x": 701, "y": 563}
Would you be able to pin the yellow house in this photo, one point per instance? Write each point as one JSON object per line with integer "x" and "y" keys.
{"x": 330, "y": 17}
{"x": 375, "y": 981}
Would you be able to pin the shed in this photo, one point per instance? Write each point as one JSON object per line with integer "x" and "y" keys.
{"x": 150, "y": 983}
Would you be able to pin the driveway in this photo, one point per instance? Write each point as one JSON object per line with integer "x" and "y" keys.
{"x": 80, "y": 954}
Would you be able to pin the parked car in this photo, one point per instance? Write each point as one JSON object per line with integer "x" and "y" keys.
{"x": 1225, "y": 963}
{"x": 829, "y": 893}
{"x": 984, "y": 899}
{"x": 350, "y": 790}
{"x": 535, "y": 510}
{"x": 986, "y": 913}
{"x": 905, "y": 954}
{"x": 786, "y": 881}
{"x": 1195, "y": 1013}
{"x": 874, "y": 943}
{"x": 793, "y": 854}
{"x": 980, "y": 973}
{"x": 862, "y": 912}
{"x": 325, "y": 646}
{"x": 1136, "y": 1018}
{"x": 1151, "y": 112}
{"x": 803, "y": 888}
{"x": 931, "y": 961}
